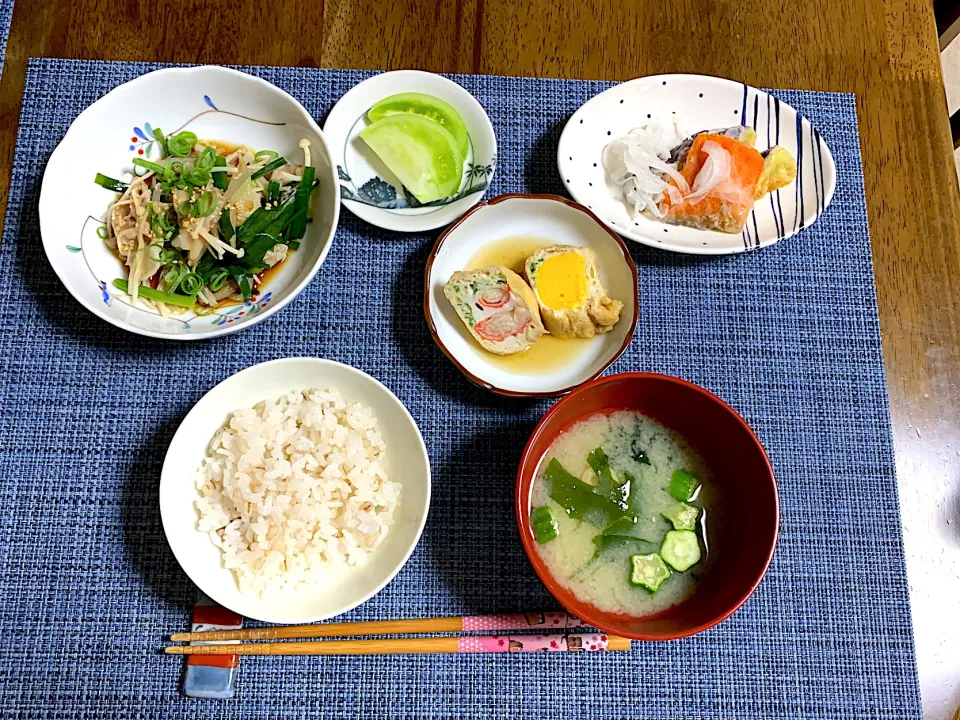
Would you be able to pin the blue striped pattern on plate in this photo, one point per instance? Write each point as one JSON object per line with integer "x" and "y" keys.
{"x": 788, "y": 335}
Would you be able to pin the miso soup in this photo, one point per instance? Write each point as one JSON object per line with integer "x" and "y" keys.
{"x": 623, "y": 513}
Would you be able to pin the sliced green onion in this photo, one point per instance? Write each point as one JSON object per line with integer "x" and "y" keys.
{"x": 158, "y": 134}
{"x": 269, "y": 167}
{"x": 102, "y": 232}
{"x": 199, "y": 178}
{"x": 218, "y": 278}
{"x": 173, "y": 276}
{"x": 148, "y": 165}
{"x": 110, "y": 184}
{"x": 191, "y": 283}
{"x": 221, "y": 180}
{"x": 182, "y": 143}
{"x": 206, "y": 204}
{"x": 156, "y": 295}
{"x": 206, "y": 159}
{"x": 186, "y": 209}
{"x": 265, "y": 154}
{"x": 159, "y": 246}
{"x": 177, "y": 167}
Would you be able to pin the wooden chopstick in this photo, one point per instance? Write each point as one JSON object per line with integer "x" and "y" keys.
{"x": 373, "y": 627}
{"x": 404, "y": 646}
{"x": 487, "y": 623}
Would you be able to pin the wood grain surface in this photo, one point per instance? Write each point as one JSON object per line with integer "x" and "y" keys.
{"x": 885, "y": 51}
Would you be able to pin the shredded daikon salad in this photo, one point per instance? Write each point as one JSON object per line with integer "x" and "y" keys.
{"x": 639, "y": 164}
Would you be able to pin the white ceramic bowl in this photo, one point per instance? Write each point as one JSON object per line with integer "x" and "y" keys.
{"x": 699, "y": 102}
{"x": 369, "y": 190}
{"x": 216, "y": 103}
{"x": 406, "y": 462}
{"x": 562, "y": 222}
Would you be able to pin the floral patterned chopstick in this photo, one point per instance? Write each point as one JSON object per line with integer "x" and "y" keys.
{"x": 483, "y": 623}
{"x": 556, "y": 642}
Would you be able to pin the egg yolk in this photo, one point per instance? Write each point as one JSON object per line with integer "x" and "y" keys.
{"x": 562, "y": 281}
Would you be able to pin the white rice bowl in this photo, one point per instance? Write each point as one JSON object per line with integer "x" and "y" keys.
{"x": 294, "y": 489}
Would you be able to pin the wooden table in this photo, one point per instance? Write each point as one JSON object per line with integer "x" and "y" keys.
{"x": 885, "y": 51}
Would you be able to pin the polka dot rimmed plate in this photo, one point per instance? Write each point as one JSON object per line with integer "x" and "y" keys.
{"x": 697, "y": 102}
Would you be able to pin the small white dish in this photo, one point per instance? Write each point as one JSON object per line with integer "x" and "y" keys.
{"x": 215, "y": 103}
{"x": 559, "y": 221}
{"x": 369, "y": 190}
{"x": 406, "y": 462}
{"x": 699, "y": 102}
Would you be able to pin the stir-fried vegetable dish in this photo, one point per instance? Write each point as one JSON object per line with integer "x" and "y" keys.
{"x": 199, "y": 226}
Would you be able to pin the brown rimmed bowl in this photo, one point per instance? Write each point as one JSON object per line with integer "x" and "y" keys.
{"x": 560, "y": 221}
{"x": 748, "y": 502}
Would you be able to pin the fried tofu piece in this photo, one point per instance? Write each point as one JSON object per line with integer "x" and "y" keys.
{"x": 572, "y": 300}
{"x": 498, "y": 308}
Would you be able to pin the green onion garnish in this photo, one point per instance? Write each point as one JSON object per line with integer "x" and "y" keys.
{"x": 110, "y": 184}
{"x": 191, "y": 283}
{"x": 269, "y": 167}
{"x": 265, "y": 154}
{"x": 102, "y": 232}
{"x": 186, "y": 209}
{"x": 206, "y": 159}
{"x": 218, "y": 278}
{"x": 198, "y": 177}
{"x": 206, "y": 204}
{"x": 148, "y": 165}
{"x": 155, "y": 295}
{"x": 182, "y": 143}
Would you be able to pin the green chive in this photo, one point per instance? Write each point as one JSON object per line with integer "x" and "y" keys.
{"x": 269, "y": 167}
{"x": 148, "y": 165}
{"x": 110, "y": 184}
{"x": 221, "y": 180}
{"x": 155, "y": 295}
{"x": 102, "y": 232}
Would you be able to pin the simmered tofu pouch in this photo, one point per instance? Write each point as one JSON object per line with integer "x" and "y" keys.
{"x": 498, "y": 308}
{"x": 572, "y": 300}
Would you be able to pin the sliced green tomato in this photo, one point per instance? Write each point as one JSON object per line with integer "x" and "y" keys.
{"x": 429, "y": 107}
{"x": 648, "y": 571}
{"x": 681, "y": 549}
{"x": 422, "y": 155}
{"x": 683, "y": 516}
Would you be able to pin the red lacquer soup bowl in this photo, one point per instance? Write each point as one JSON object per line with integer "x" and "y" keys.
{"x": 741, "y": 475}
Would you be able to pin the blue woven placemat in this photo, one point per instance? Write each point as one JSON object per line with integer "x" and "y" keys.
{"x": 6, "y": 16}
{"x": 788, "y": 335}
